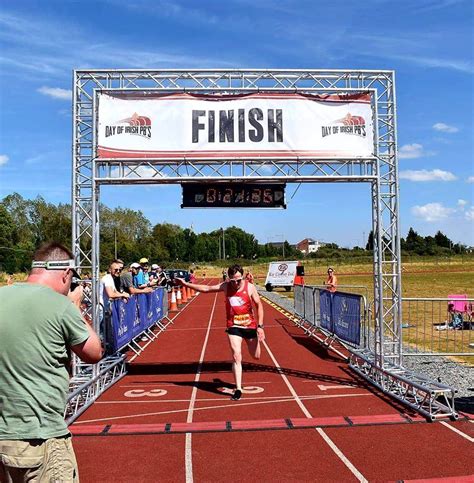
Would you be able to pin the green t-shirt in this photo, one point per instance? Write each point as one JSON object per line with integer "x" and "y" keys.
{"x": 37, "y": 328}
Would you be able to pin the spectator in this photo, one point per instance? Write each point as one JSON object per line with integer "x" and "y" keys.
{"x": 331, "y": 281}
{"x": 192, "y": 277}
{"x": 153, "y": 273}
{"x": 40, "y": 323}
{"x": 140, "y": 277}
{"x": 111, "y": 280}
{"x": 120, "y": 264}
{"x": 127, "y": 282}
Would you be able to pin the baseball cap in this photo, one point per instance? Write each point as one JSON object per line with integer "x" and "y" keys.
{"x": 143, "y": 260}
{"x": 155, "y": 266}
{"x": 134, "y": 265}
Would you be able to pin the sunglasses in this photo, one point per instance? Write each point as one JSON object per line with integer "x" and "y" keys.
{"x": 236, "y": 280}
{"x": 118, "y": 269}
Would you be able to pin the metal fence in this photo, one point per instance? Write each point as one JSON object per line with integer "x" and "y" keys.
{"x": 441, "y": 326}
{"x": 307, "y": 308}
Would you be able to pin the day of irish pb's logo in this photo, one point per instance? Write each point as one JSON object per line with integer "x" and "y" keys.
{"x": 349, "y": 124}
{"x": 135, "y": 125}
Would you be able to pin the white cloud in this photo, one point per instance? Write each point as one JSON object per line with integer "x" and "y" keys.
{"x": 441, "y": 126}
{"x": 3, "y": 159}
{"x": 56, "y": 93}
{"x": 426, "y": 175}
{"x": 470, "y": 214}
{"x": 412, "y": 151}
{"x": 470, "y": 179}
{"x": 432, "y": 211}
{"x": 462, "y": 204}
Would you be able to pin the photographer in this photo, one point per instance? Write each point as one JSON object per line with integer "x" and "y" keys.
{"x": 40, "y": 323}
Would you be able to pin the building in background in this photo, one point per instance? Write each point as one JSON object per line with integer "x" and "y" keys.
{"x": 308, "y": 245}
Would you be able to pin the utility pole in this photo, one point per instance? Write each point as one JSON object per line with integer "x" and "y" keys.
{"x": 115, "y": 243}
{"x": 223, "y": 243}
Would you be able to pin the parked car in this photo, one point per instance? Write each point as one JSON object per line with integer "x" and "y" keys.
{"x": 171, "y": 273}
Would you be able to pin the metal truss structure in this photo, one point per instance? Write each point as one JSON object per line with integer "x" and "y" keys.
{"x": 86, "y": 387}
{"x": 431, "y": 399}
{"x": 381, "y": 170}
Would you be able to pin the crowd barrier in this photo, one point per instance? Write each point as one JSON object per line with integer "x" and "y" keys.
{"x": 127, "y": 320}
{"x": 339, "y": 314}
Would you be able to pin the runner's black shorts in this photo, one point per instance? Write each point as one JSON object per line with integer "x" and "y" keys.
{"x": 244, "y": 333}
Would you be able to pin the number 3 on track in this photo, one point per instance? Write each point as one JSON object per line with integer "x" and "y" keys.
{"x": 143, "y": 393}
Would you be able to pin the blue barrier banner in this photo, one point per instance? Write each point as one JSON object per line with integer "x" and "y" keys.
{"x": 150, "y": 309}
{"x": 123, "y": 314}
{"x": 140, "y": 323}
{"x": 346, "y": 316}
{"x": 159, "y": 298}
{"x": 129, "y": 319}
{"x": 325, "y": 305}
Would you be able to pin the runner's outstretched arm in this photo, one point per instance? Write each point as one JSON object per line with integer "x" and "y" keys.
{"x": 201, "y": 288}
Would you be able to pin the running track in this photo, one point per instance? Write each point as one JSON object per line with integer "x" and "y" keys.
{"x": 304, "y": 415}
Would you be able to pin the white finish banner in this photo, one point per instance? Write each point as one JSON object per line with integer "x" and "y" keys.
{"x": 177, "y": 126}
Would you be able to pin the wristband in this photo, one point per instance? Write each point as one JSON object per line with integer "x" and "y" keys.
{"x": 260, "y": 326}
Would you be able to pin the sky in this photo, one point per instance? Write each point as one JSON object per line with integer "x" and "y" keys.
{"x": 428, "y": 43}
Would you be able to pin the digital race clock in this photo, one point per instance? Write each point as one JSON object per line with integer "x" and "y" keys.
{"x": 233, "y": 195}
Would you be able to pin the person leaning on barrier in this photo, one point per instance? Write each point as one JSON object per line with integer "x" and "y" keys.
{"x": 126, "y": 281}
{"x": 120, "y": 264}
{"x": 40, "y": 323}
{"x": 110, "y": 281}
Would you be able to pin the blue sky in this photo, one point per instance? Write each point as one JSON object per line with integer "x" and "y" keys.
{"x": 429, "y": 43}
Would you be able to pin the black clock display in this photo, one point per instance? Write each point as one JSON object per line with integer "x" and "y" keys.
{"x": 233, "y": 195}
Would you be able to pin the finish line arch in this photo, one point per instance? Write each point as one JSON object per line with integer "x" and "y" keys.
{"x": 94, "y": 166}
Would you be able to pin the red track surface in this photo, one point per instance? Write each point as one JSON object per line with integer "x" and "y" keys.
{"x": 305, "y": 415}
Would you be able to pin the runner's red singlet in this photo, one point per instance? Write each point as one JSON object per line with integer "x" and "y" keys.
{"x": 239, "y": 310}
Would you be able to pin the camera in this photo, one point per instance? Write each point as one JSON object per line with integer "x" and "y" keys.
{"x": 75, "y": 282}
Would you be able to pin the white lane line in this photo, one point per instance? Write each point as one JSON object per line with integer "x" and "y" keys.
{"x": 287, "y": 382}
{"x": 188, "y": 447}
{"x": 229, "y": 405}
{"x": 456, "y": 430}
{"x": 261, "y": 398}
{"x": 326, "y": 438}
{"x": 341, "y": 455}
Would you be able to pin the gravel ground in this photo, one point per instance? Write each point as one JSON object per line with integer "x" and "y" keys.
{"x": 437, "y": 368}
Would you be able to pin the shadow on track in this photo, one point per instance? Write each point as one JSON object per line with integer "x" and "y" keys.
{"x": 224, "y": 366}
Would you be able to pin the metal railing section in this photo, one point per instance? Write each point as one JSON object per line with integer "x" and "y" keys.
{"x": 431, "y": 327}
{"x": 431, "y": 399}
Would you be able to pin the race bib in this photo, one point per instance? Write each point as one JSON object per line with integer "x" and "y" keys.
{"x": 242, "y": 320}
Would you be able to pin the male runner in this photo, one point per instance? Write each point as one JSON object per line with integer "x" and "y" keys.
{"x": 241, "y": 297}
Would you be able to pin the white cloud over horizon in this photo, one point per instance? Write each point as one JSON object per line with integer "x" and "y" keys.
{"x": 442, "y": 127}
{"x": 427, "y": 175}
{"x": 432, "y": 211}
{"x": 56, "y": 93}
{"x": 413, "y": 151}
{"x": 3, "y": 159}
